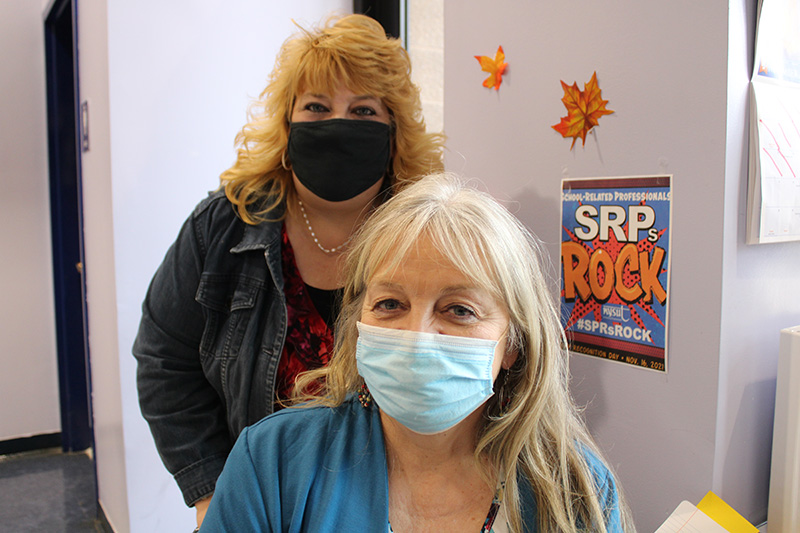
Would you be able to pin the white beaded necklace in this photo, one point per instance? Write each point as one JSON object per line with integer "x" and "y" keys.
{"x": 314, "y": 235}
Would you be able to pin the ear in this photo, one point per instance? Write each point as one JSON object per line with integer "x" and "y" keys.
{"x": 510, "y": 358}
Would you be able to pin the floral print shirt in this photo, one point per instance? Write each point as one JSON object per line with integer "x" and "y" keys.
{"x": 309, "y": 340}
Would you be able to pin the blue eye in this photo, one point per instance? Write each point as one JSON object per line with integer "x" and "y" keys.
{"x": 388, "y": 305}
{"x": 461, "y": 311}
{"x": 315, "y": 107}
{"x": 364, "y": 111}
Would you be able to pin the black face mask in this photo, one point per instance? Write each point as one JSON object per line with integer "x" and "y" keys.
{"x": 338, "y": 159}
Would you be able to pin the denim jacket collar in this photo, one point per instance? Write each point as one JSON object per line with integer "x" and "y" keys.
{"x": 261, "y": 236}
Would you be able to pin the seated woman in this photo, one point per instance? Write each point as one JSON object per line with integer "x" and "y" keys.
{"x": 445, "y": 405}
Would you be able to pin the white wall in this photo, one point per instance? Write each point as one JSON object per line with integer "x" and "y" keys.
{"x": 168, "y": 86}
{"x": 99, "y": 258}
{"x": 425, "y": 47}
{"x": 760, "y": 288}
{"x": 663, "y": 66}
{"x": 29, "y": 380}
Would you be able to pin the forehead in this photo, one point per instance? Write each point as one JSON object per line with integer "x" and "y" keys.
{"x": 329, "y": 79}
{"x": 422, "y": 263}
{"x": 338, "y": 92}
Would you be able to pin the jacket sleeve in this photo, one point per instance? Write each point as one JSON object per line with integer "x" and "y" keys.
{"x": 185, "y": 412}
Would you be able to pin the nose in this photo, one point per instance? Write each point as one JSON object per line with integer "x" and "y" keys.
{"x": 339, "y": 111}
{"x": 419, "y": 320}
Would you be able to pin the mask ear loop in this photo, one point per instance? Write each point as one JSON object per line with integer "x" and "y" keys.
{"x": 287, "y": 167}
{"x": 388, "y": 187}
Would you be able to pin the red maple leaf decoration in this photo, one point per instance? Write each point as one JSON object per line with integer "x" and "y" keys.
{"x": 584, "y": 109}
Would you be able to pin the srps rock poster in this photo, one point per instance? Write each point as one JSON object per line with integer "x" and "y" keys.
{"x": 615, "y": 257}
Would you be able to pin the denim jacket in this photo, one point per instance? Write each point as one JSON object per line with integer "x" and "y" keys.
{"x": 210, "y": 339}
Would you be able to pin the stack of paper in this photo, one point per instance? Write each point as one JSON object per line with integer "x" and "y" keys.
{"x": 711, "y": 515}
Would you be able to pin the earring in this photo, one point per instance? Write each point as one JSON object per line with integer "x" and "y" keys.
{"x": 364, "y": 396}
{"x": 504, "y": 395}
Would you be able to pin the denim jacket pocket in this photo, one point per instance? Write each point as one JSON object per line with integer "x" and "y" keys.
{"x": 227, "y": 303}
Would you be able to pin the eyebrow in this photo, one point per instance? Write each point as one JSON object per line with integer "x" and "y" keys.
{"x": 358, "y": 97}
{"x": 312, "y": 95}
{"x": 450, "y": 289}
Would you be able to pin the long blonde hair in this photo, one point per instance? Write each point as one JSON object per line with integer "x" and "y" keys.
{"x": 538, "y": 434}
{"x": 353, "y": 50}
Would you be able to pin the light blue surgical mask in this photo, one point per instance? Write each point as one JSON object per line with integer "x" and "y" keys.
{"x": 426, "y": 381}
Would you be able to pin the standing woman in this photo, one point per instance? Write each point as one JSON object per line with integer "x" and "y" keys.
{"x": 246, "y": 296}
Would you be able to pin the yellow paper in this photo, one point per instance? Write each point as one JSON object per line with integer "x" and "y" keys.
{"x": 724, "y": 515}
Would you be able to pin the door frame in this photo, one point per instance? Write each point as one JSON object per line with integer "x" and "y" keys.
{"x": 66, "y": 219}
{"x": 390, "y": 13}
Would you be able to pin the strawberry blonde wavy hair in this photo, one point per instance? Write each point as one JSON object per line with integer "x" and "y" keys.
{"x": 539, "y": 435}
{"x": 352, "y": 50}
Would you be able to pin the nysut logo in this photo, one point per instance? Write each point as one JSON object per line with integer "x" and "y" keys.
{"x": 616, "y": 312}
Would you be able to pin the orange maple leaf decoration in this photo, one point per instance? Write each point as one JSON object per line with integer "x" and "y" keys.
{"x": 495, "y": 67}
{"x": 584, "y": 109}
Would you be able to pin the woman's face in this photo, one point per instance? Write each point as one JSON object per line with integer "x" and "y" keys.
{"x": 426, "y": 293}
{"x": 343, "y": 103}
{"x": 312, "y": 106}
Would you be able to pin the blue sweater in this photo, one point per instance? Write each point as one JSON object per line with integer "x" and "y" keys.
{"x": 321, "y": 469}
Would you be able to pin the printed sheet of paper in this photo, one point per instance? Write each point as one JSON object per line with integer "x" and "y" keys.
{"x": 615, "y": 257}
{"x": 689, "y": 519}
{"x": 773, "y": 191}
{"x": 773, "y": 201}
